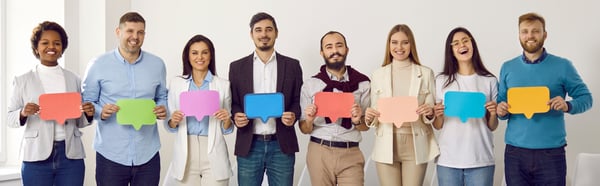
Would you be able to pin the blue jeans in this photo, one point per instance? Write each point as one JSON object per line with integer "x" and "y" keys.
{"x": 535, "y": 166}
{"x": 56, "y": 170}
{"x": 478, "y": 176}
{"x": 266, "y": 155}
{"x": 109, "y": 173}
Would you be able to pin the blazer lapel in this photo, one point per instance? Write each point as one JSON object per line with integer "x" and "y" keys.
{"x": 280, "y": 72}
{"x": 37, "y": 85}
{"x": 387, "y": 80}
{"x": 212, "y": 128}
{"x": 70, "y": 86}
{"x": 415, "y": 84}
{"x": 247, "y": 74}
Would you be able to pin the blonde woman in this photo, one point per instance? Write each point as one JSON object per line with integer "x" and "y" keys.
{"x": 401, "y": 154}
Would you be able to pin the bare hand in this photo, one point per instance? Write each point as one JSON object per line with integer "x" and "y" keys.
{"x": 88, "y": 109}
{"x": 176, "y": 117}
{"x": 311, "y": 112}
{"x": 30, "y": 109}
{"x": 160, "y": 112}
{"x": 222, "y": 115}
{"x": 491, "y": 106}
{"x": 502, "y": 109}
{"x": 108, "y": 110}
{"x": 288, "y": 118}
{"x": 240, "y": 119}
{"x": 356, "y": 112}
{"x": 371, "y": 114}
{"x": 425, "y": 110}
{"x": 558, "y": 103}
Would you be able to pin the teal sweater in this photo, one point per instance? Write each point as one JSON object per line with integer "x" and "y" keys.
{"x": 543, "y": 130}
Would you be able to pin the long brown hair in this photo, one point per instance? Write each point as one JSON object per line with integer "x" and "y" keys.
{"x": 413, "y": 56}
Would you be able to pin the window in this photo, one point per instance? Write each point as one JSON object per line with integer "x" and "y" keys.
{"x": 3, "y": 84}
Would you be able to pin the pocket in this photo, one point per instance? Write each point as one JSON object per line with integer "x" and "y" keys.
{"x": 30, "y": 134}
{"x": 77, "y": 133}
{"x": 555, "y": 152}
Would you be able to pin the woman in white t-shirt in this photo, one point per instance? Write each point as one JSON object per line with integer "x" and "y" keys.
{"x": 466, "y": 149}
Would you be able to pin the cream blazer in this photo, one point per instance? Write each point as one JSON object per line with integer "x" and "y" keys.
{"x": 422, "y": 85}
{"x": 217, "y": 147}
{"x": 38, "y": 138}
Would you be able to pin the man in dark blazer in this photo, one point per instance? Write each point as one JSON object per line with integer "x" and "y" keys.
{"x": 269, "y": 146}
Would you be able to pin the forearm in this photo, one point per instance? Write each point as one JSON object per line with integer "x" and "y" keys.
{"x": 306, "y": 126}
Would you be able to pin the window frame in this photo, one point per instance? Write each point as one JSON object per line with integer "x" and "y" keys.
{"x": 3, "y": 83}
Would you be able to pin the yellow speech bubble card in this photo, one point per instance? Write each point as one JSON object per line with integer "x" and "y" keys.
{"x": 528, "y": 100}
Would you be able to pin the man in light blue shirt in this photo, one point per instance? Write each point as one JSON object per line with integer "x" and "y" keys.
{"x": 124, "y": 155}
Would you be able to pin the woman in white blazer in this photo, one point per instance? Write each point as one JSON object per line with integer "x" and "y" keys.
{"x": 52, "y": 152}
{"x": 401, "y": 154}
{"x": 200, "y": 155}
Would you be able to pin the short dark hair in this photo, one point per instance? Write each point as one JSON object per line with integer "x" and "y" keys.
{"x": 132, "y": 17}
{"x": 333, "y": 32}
{"x": 262, "y": 16}
{"x": 47, "y": 26}
{"x": 185, "y": 56}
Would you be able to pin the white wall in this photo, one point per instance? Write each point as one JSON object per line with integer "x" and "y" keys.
{"x": 571, "y": 34}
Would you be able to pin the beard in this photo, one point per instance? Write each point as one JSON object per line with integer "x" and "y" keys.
{"x": 335, "y": 65}
{"x": 264, "y": 47}
{"x": 534, "y": 48}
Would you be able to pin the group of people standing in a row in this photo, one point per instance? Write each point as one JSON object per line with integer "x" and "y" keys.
{"x": 53, "y": 153}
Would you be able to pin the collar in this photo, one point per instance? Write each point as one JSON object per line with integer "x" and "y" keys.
{"x": 333, "y": 77}
{"x": 122, "y": 59}
{"x": 256, "y": 58}
{"x": 208, "y": 78}
{"x": 538, "y": 60}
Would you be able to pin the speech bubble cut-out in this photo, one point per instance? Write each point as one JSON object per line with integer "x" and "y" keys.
{"x": 334, "y": 105}
{"x": 398, "y": 110}
{"x": 263, "y": 106}
{"x": 60, "y": 106}
{"x": 199, "y": 103}
{"x": 464, "y": 105}
{"x": 528, "y": 100}
{"x": 136, "y": 112}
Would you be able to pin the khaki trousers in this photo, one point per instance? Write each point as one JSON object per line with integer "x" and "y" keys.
{"x": 329, "y": 166}
{"x": 404, "y": 171}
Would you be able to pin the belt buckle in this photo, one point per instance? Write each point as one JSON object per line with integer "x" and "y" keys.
{"x": 267, "y": 137}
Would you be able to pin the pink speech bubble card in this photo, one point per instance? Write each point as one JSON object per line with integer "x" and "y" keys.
{"x": 199, "y": 103}
{"x": 398, "y": 110}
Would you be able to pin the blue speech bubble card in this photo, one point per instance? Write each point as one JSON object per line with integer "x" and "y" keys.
{"x": 263, "y": 106}
{"x": 464, "y": 105}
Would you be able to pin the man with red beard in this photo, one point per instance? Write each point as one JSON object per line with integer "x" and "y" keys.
{"x": 265, "y": 146}
{"x": 333, "y": 156}
{"x": 535, "y": 147}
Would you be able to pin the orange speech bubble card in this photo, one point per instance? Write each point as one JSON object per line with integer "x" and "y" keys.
{"x": 334, "y": 105}
{"x": 528, "y": 100}
{"x": 60, "y": 106}
{"x": 398, "y": 110}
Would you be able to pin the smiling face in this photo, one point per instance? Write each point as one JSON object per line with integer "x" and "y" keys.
{"x": 334, "y": 51}
{"x": 532, "y": 36}
{"x": 131, "y": 37}
{"x": 199, "y": 56}
{"x": 462, "y": 47}
{"x": 49, "y": 48}
{"x": 399, "y": 46}
{"x": 263, "y": 34}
